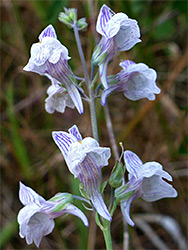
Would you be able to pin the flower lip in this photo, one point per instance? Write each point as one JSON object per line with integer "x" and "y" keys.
{"x": 49, "y": 49}
{"x": 104, "y": 16}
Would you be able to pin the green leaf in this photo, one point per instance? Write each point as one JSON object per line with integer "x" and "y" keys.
{"x": 62, "y": 196}
{"x": 123, "y": 196}
{"x": 83, "y": 192}
{"x": 103, "y": 186}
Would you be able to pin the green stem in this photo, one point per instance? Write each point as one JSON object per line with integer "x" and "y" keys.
{"x": 89, "y": 85}
{"x": 107, "y": 236}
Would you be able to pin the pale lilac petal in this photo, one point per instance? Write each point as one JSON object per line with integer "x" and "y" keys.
{"x": 103, "y": 73}
{"x": 107, "y": 92}
{"x": 90, "y": 176}
{"x": 27, "y": 212}
{"x": 75, "y": 132}
{"x": 49, "y": 31}
{"x": 39, "y": 225}
{"x": 150, "y": 74}
{"x": 28, "y": 195}
{"x": 113, "y": 26}
{"x": 71, "y": 209}
{"x": 90, "y": 147}
{"x": 31, "y": 67}
{"x": 39, "y": 55}
{"x": 99, "y": 205}
{"x": 58, "y": 99}
{"x": 128, "y": 35}
{"x": 75, "y": 157}
{"x": 54, "y": 49}
{"x": 55, "y": 100}
{"x": 125, "y": 64}
{"x": 137, "y": 81}
{"x": 64, "y": 141}
{"x": 155, "y": 188}
{"x": 49, "y": 49}
{"x": 152, "y": 168}
{"x": 71, "y": 150}
{"x": 89, "y": 143}
{"x": 75, "y": 96}
{"x": 104, "y": 16}
{"x": 132, "y": 67}
{"x": 125, "y": 209}
{"x": 109, "y": 48}
{"x": 100, "y": 155}
{"x": 132, "y": 162}
{"x": 138, "y": 87}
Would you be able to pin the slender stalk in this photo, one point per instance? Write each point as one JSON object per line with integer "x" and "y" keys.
{"x": 111, "y": 132}
{"x": 107, "y": 236}
{"x": 89, "y": 85}
{"x": 116, "y": 155}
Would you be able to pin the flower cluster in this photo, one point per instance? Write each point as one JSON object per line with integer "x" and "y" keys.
{"x": 85, "y": 158}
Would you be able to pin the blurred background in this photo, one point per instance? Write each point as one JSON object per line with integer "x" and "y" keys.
{"x": 156, "y": 131}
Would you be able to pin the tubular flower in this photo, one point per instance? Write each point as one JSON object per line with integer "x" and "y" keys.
{"x": 49, "y": 57}
{"x": 119, "y": 33}
{"x": 145, "y": 181}
{"x": 136, "y": 81}
{"x": 85, "y": 158}
{"x": 36, "y": 218}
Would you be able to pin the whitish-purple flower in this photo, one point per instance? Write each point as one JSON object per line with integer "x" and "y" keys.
{"x": 58, "y": 98}
{"x": 119, "y": 33}
{"x": 85, "y": 158}
{"x": 49, "y": 57}
{"x": 145, "y": 181}
{"x": 36, "y": 218}
{"x": 136, "y": 81}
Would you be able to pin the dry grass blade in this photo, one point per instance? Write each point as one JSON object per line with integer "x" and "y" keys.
{"x": 167, "y": 222}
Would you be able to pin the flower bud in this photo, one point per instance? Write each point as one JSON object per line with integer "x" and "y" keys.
{"x": 121, "y": 194}
{"x": 117, "y": 175}
{"x": 98, "y": 57}
{"x": 82, "y": 24}
{"x": 68, "y": 17}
